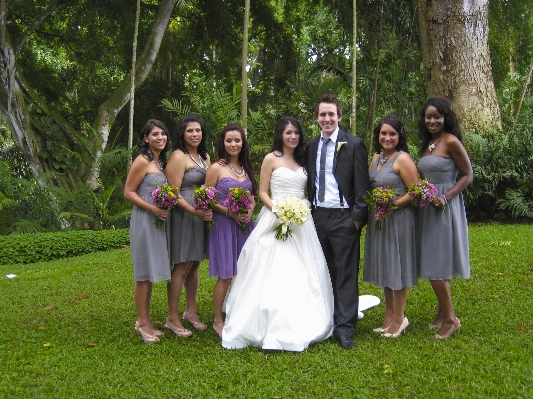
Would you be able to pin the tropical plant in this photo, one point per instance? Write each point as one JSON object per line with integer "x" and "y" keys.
{"x": 502, "y": 167}
{"x": 102, "y": 207}
{"x": 27, "y": 206}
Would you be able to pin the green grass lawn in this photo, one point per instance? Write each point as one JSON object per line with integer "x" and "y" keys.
{"x": 66, "y": 331}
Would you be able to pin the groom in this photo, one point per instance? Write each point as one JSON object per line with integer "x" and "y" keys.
{"x": 337, "y": 182}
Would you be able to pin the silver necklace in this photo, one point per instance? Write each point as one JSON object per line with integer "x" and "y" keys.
{"x": 382, "y": 160}
{"x": 238, "y": 174}
{"x": 158, "y": 164}
{"x": 431, "y": 147}
{"x": 201, "y": 165}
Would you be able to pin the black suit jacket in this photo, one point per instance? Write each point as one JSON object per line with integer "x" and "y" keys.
{"x": 350, "y": 167}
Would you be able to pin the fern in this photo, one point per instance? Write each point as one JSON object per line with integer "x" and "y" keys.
{"x": 5, "y": 202}
{"x": 516, "y": 203}
{"x": 176, "y": 107}
{"x": 26, "y": 226}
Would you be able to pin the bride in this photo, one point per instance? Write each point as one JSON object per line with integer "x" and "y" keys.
{"x": 281, "y": 297}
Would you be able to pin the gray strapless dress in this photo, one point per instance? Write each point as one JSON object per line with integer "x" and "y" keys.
{"x": 148, "y": 243}
{"x": 391, "y": 254}
{"x": 443, "y": 236}
{"x": 187, "y": 234}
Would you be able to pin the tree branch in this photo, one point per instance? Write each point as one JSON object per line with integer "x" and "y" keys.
{"x": 109, "y": 109}
{"x": 32, "y": 94}
{"x": 3, "y": 19}
{"x": 37, "y": 22}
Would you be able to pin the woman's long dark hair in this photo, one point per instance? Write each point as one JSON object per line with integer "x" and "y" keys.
{"x": 144, "y": 147}
{"x": 180, "y": 137}
{"x": 451, "y": 123}
{"x": 397, "y": 125}
{"x": 244, "y": 155}
{"x": 300, "y": 156}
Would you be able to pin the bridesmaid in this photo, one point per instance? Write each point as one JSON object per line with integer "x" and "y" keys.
{"x": 148, "y": 243}
{"x": 444, "y": 252}
{"x": 226, "y": 238}
{"x": 186, "y": 168}
{"x": 390, "y": 254}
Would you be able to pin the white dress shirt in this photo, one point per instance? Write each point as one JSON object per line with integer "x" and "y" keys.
{"x": 331, "y": 196}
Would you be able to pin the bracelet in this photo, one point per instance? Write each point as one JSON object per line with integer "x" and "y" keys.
{"x": 445, "y": 199}
{"x": 227, "y": 210}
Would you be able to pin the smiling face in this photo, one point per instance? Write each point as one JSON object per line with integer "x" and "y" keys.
{"x": 388, "y": 138}
{"x": 290, "y": 137}
{"x": 156, "y": 139}
{"x": 434, "y": 120}
{"x": 233, "y": 143}
{"x": 193, "y": 134}
{"x": 328, "y": 118}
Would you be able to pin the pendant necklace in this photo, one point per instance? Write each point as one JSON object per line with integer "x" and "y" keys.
{"x": 432, "y": 146}
{"x": 383, "y": 161}
{"x": 201, "y": 165}
{"x": 238, "y": 174}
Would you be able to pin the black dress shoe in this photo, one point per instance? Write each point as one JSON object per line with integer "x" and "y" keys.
{"x": 345, "y": 341}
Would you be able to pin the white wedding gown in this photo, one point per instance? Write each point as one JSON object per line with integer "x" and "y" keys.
{"x": 281, "y": 297}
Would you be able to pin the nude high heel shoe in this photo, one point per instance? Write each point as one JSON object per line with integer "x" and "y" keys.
{"x": 403, "y": 326}
{"x": 456, "y": 326}
{"x": 197, "y": 325}
{"x": 147, "y": 338}
{"x": 381, "y": 330}
{"x": 431, "y": 326}
{"x": 179, "y": 331}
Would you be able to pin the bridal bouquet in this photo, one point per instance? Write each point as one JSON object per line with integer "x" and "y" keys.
{"x": 165, "y": 196}
{"x": 205, "y": 198}
{"x": 239, "y": 200}
{"x": 383, "y": 201}
{"x": 422, "y": 192}
{"x": 289, "y": 210}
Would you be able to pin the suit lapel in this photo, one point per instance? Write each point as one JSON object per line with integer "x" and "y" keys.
{"x": 340, "y": 137}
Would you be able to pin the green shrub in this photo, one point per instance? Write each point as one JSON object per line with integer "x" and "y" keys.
{"x": 42, "y": 247}
{"x": 502, "y": 163}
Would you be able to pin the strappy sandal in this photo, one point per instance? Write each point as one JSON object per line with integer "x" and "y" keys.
{"x": 178, "y": 331}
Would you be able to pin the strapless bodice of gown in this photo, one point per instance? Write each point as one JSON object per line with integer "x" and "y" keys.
{"x": 288, "y": 183}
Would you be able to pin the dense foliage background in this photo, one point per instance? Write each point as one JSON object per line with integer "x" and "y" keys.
{"x": 297, "y": 50}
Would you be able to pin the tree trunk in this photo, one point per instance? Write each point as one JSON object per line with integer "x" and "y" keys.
{"x": 13, "y": 107}
{"x": 523, "y": 93}
{"x": 354, "y": 70}
{"x": 16, "y": 113}
{"x": 372, "y": 117}
{"x": 454, "y": 37}
{"x": 109, "y": 109}
{"x": 244, "y": 64}
{"x": 132, "y": 82}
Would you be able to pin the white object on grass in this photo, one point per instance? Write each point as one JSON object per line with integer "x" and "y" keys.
{"x": 367, "y": 302}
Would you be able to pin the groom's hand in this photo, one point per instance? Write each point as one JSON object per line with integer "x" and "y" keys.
{"x": 357, "y": 224}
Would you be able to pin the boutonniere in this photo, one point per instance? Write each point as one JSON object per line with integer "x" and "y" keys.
{"x": 338, "y": 150}
{"x": 339, "y": 146}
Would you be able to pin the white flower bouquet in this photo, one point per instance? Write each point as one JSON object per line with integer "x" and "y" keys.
{"x": 290, "y": 210}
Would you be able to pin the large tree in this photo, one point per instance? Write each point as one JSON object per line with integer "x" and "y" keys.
{"x": 48, "y": 138}
{"x": 454, "y": 35}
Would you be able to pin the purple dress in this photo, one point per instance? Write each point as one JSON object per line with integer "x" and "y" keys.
{"x": 226, "y": 237}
